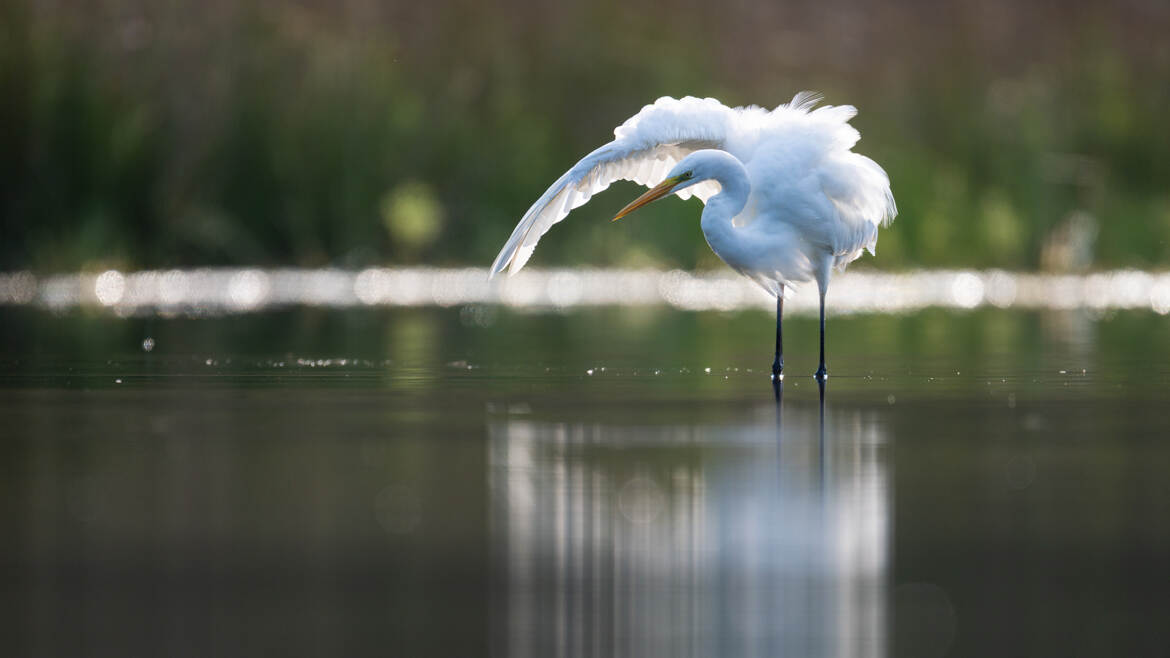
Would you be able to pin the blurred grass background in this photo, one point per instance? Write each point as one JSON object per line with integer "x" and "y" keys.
{"x": 144, "y": 134}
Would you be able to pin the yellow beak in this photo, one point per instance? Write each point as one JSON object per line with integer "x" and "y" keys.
{"x": 655, "y": 193}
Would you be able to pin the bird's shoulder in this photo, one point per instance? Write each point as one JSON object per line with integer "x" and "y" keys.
{"x": 671, "y": 120}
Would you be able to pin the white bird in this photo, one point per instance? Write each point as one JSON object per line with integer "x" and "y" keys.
{"x": 787, "y": 200}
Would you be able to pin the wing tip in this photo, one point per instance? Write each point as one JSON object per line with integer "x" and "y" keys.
{"x": 502, "y": 261}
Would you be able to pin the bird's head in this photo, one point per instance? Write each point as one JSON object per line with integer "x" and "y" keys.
{"x": 692, "y": 169}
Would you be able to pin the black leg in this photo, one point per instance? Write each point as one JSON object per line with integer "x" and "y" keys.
{"x": 778, "y": 364}
{"x": 822, "y": 373}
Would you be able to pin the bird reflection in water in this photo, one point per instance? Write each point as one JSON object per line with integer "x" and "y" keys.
{"x": 761, "y": 537}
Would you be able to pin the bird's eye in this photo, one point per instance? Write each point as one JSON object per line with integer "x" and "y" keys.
{"x": 688, "y": 174}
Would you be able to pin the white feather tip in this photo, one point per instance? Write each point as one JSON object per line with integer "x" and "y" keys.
{"x": 805, "y": 100}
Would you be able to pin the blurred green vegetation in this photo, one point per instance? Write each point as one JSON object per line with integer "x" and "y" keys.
{"x": 137, "y": 134}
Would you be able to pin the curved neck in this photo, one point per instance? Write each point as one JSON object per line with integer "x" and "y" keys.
{"x": 732, "y": 177}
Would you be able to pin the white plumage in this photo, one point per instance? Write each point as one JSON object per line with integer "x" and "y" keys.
{"x": 787, "y": 200}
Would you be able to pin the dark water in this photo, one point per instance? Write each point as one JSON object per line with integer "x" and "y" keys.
{"x": 455, "y": 482}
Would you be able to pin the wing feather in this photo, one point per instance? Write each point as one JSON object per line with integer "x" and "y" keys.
{"x": 859, "y": 190}
{"x": 645, "y": 147}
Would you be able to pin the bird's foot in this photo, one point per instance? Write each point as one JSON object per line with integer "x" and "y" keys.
{"x": 777, "y": 370}
{"x": 822, "y": 374}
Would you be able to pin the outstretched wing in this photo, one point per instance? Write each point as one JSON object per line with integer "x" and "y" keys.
{"x": 644, "y": 149}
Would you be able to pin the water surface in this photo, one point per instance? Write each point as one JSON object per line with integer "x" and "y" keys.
{"x": 480, "y": 480}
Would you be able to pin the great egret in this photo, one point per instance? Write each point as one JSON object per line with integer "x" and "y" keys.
{"x": 787, "y": 200}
